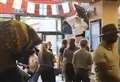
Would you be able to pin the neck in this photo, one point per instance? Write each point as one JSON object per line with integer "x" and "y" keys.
{"x": 71, "y": 47}
{"x": 107, "y": 46}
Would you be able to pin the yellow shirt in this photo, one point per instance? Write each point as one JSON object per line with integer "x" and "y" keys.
{"x": 111, "y": 62}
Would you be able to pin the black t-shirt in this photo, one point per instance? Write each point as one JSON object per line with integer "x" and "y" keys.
{"x": 61, "y": 51}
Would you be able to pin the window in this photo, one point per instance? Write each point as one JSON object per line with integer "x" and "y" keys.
{"x": 40, "y": 24}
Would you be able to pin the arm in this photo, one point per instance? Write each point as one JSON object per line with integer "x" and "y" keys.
{"x": 100, "y": 62}
{"x": 65, "y": 54}
{"x": 61, "y": 55}
{"x": 102, "y": 66}
{"x": 90, "y": 62}
{"x": 74, "y": 60}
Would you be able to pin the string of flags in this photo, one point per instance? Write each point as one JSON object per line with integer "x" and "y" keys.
{"x": 38, "y": 9}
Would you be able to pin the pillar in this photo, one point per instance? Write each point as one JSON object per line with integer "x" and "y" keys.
{"x": 110, "y": 9}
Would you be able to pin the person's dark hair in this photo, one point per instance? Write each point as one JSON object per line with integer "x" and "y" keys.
{"x": 71, "y": 43}
{"x": 64, "y": 42}
{"x": 71, "y": 40}
{"x": 109, "y": 33}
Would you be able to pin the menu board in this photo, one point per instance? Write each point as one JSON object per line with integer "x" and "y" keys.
{"x": 95, "y": 29}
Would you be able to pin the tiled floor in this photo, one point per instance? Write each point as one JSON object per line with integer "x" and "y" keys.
{"x": 58, "y": 79}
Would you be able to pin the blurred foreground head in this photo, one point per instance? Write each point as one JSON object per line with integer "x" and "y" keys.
{"x": 109, "y": 33}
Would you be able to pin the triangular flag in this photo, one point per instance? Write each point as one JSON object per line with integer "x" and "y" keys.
{"x": 65, "y": 7}
{"x": 30, "y": 7}
{"x": 54, "y": 9}
{"x": 3, "y": 1}
{"x": 43, "y": 9}
{"x": 17, "y": 4}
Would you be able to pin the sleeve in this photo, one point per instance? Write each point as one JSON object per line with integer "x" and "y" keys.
{"x": 99, "y": 57}
{"x": 61, "y": 51}
{"x": 90, "y": 62}
{"x": 74, "y": 59}
{"x": 52, "y": 58}
{"x": 65, "y": 53}
{"x": 90, "y": 59}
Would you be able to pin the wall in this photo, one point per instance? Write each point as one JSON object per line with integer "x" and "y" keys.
{"x": 110, "y": 14}
{"x": 98, "y": 10}
{"x": 107, "y": 11}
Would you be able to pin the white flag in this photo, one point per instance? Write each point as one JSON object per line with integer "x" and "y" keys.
{"x": 30, "y": 7}
{"x": 43, "y": 9}
{"x": 54, "y": 9}
{"x": 3, "y": 1}
{"x": 65, "y": 7}
{"x": 17, "y": 4}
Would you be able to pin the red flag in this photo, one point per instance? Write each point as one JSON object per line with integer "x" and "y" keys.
{"x": 49, "y": 10}
{"x": 7, "y": 8}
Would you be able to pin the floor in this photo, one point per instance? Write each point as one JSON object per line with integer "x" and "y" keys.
{"x": 59, "y": 79}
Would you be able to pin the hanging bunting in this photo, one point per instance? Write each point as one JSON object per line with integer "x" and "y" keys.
{"x": 3, "y": 1}
{"x": 30, "y": 7}
{"x": 24, "y": 6}
{"x": 54, "y": 9}
{"x": 43, "y": 9}
{"x": 65, "y": 7}
{"x": 17, "y": 4}
{"x": 46, "y": 1}
{"x": 19, "y": 11}
{"x": 49, "y": 10}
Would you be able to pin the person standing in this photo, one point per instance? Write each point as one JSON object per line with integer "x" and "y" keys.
{"x": 82, "y": 62}
{"x": 64, "y": 45}
{"x": 47, "y": 60}
{"x": 106, "y": 58}
{"x": 67, "y": 60}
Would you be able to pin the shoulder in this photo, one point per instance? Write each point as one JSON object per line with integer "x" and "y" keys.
{"x": 99, "y": 51}
{"x": 76, "y": 48}
{"x": 49, "y": 52}
{"x": 77, "y": 51}
{"x": 61, "y": 49}
{"x": 66, "y": 49}
{"x": 88, "y": 53}
{"x": 99, "y": 55}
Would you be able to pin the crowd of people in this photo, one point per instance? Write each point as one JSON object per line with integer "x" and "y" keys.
{"x": 18, "y": 47}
